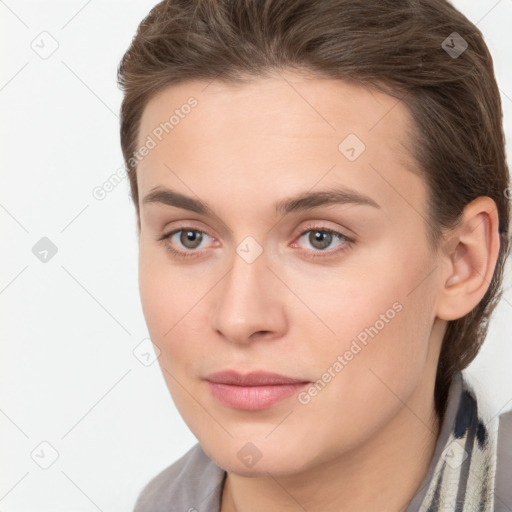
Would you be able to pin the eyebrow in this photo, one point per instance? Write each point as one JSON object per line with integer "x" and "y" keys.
{"x": 301, "y": 202}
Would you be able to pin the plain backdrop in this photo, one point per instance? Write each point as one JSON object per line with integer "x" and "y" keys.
{"x": 85, "y": 421}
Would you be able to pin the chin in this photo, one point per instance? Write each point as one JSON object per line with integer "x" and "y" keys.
{"x": 246, "y": 459}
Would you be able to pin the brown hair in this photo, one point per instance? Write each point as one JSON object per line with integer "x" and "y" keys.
{"x": 394, "y": 45}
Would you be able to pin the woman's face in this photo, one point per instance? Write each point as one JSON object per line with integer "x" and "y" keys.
{"x": 340, "y": 294}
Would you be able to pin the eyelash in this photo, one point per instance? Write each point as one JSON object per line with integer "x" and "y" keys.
{"x": 315, "y": 253}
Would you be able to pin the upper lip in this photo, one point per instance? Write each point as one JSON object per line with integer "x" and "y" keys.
{"x": 255, "y": 378}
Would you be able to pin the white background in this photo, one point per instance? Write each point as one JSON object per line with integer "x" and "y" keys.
{"x": 68, "y": 373}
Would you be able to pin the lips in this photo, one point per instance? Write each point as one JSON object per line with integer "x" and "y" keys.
{"x": 257, "y": 378}
{"x": 253, "y": 391}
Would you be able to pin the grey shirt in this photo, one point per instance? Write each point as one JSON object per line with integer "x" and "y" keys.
{"x": 194, "y": 482}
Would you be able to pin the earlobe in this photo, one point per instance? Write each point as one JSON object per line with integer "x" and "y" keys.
{"x": 469, "y": 258}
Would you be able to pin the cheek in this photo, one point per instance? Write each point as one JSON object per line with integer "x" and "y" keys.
{"x": 380, "y": 317}
{"x": 164, "y": 291}
{"x": 173, "y": 308}
{"x": 382, "y": 357}
{"x": 160, "y": 301}
{"x": 157, "y": 302}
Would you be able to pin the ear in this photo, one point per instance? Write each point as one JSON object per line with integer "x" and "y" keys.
{"x": 468, "y": 259}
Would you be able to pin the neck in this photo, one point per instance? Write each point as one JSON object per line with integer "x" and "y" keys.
{"x": 384, "y": 474}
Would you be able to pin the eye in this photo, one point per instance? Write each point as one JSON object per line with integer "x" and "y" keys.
{"x": 186, "y": 237}
{"x": 321, "y": 238}
{"x": 186, "y": 241}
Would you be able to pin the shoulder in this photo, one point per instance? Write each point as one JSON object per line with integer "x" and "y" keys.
{"x": 191, "y": 484}
{"x": 503, "y": 491}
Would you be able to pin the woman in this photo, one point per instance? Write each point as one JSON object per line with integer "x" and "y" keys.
{"x": 323, "y": 225}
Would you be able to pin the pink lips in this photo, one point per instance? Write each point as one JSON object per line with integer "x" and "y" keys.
{"x": 252, "y": 391}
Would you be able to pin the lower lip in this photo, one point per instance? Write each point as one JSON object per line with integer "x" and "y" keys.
{"x": 253, "y": 398}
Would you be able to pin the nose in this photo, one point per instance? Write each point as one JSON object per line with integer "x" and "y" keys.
{"x": 250, "y": 304}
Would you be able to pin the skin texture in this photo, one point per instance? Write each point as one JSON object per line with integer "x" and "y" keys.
{"x": 365, "y": 441}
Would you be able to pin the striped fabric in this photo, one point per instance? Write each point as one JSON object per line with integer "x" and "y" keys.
{"x": 463, "y": 478}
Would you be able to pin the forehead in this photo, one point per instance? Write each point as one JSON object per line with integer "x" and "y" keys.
{"x": 275, "y": 104}
{"x": 276, "y": 133}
